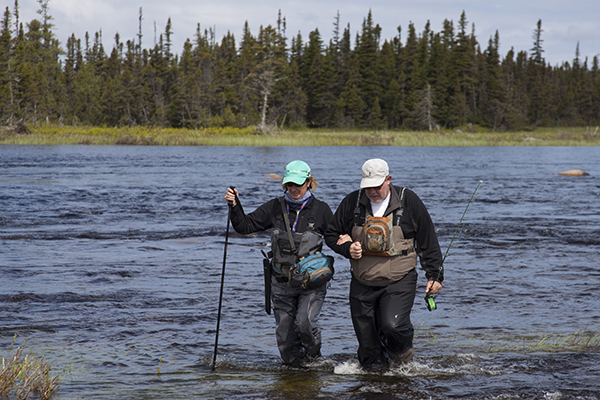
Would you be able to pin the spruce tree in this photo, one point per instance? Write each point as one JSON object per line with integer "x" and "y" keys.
{"x": 247, "y": 61}
{"x": 387, "y": 66}
{"x": 329, "y": 90}
{"x": 439, "y": 80}
{"x": 7, "y": 75}
{"x": 310, "y": 72}
{"x": 536, "y": 79}
{"x": 367, "y": 52}
{"x": 463, "y": 101}
{"x": 351, "y": 107}
{"x": 514, "y": 91}
{"x": 492, "y": 98}
{"x": 414, "y": 78}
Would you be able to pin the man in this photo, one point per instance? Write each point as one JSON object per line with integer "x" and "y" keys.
{"x": 381, "y": 229}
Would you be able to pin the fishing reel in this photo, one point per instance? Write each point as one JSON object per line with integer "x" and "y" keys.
{"x": 430, "y": 302}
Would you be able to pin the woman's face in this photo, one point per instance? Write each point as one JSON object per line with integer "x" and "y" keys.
{"x": 297, "y": 191}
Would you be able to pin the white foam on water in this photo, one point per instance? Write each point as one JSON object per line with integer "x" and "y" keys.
{"x": 348, "y": 368}
{"x": 553, "y": 396}
{"x": 320, "y": 363}
{"x": 463, "y": 364}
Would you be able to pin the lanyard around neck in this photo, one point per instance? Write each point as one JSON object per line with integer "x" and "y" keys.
{"x": 297, "y": 214}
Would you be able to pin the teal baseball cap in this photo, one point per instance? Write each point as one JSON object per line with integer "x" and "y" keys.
{"x": 296, "y": 172}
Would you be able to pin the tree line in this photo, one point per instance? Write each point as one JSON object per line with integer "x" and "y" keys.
{"x": 431, "y": 80}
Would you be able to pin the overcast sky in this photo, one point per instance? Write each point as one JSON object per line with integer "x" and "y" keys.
{"x": 564, "y": 23}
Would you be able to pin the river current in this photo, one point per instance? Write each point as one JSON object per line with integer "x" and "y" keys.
{"x": 111, "y": 260}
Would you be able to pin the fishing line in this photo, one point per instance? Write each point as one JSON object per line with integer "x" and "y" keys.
{"x": 214, "y": 363}
{"x": 429, "y": 298}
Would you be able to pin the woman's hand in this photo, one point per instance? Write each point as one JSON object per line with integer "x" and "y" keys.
{"x": 230, "y": 196}
{"x": 355, "y": 248}
{"x": 343, "y": 239}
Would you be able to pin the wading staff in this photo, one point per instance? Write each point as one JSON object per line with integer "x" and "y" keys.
{"x": 429, "y": 298}
{"x": 214, "y": 363}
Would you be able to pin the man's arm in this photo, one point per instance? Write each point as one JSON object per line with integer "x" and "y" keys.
{"x": 426, "y": 239}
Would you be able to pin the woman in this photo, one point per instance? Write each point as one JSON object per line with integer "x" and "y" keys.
{"x": 296, "y": 310}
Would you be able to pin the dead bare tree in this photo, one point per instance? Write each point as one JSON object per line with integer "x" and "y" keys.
{"x": 264, "y": 79}
{"x": 423, "y": 112}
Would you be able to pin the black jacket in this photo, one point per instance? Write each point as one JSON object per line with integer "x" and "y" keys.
{"x": 415, "y": 223}
{"x": 266, "y": 217}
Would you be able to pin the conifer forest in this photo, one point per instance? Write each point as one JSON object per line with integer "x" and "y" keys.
{"x": 420, "y": 79}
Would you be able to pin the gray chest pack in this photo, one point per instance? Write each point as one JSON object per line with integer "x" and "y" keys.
{"x": 297, "y": 257}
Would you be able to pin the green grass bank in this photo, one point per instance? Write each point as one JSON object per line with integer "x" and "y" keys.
{"x": 81, "y": 135}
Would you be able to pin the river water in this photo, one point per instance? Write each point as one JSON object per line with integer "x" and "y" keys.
{"x": 111, "y": 260}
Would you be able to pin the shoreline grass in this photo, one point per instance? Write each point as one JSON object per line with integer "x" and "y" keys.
{"x": 581, "y": 341}
{"x": 143, "y": 136}
{"x": 25, "y": 376}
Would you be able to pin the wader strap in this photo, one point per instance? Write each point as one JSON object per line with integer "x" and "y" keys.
{"x": 287, "y": 224}
{"x": 397, "y": 213}
{"x": 313, "y": 215}
{"x": 357, "y": 219}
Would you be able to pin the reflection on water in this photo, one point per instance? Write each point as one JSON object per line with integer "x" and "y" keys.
{"x": 111, "y": 262}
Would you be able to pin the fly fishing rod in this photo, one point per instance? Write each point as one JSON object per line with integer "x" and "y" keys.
{"x": 230, "y": 205}
{"x": 429, "y": 298}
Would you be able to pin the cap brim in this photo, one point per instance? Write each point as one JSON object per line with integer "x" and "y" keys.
{"x": 371, "y": 182}
{"x": 298, "y": 180}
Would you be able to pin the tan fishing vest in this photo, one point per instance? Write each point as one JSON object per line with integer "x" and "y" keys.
{"x": 391, "y": 263}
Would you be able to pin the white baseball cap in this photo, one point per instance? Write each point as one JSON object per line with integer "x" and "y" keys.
{"x": 374, "y": 172}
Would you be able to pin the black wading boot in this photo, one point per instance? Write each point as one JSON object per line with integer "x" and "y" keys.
{"x": 404, "y": 357}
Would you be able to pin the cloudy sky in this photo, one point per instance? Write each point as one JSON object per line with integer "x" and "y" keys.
{"x": 564, "y": 23}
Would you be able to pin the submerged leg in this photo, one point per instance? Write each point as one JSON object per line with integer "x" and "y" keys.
{"x": 285, "y": 303}
{"x": 363, "y": 307}
{"x": 310, "y": 302}
{"x": 397, "y": 331}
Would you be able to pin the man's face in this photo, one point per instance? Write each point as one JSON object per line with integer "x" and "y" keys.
{"x": 379, "y": 193}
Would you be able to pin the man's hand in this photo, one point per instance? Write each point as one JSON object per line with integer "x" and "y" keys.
{"x": 433, "y": 287}
{"x": 356, "y": 250}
